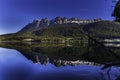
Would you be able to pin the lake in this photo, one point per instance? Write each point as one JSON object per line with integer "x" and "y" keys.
{"x": 36, "y": 61}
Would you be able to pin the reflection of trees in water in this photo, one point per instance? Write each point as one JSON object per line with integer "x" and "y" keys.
{"x": 62, "y": 53}
{"x": 70, "y": 54}
{"x": 98, "y": 51}
{"x": 110, "y": 53}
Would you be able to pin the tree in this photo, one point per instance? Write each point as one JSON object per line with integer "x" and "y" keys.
{"x": 116, "y": 12}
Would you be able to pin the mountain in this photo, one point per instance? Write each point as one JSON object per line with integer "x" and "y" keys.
{"x": 65, "y": 30}
{"x": 35, "y": 25}
{"x": 45, "y": 22}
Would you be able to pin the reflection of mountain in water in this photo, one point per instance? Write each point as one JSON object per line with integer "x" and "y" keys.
{"x": 66, "y": 54}
{"x": 60, "y": 62}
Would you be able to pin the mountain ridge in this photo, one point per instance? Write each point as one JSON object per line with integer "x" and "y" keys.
{"x": 45, "y": 22}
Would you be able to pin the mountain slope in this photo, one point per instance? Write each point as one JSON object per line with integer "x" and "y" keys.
{"x": 66, "y": 30}
{"x": 73, "y": 31}
{"x": 103, "y": 29}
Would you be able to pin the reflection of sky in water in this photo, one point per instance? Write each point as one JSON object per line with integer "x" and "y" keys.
{"x": 14, "y": 66}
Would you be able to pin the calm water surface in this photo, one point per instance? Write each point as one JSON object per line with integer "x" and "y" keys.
{"x": 54, "y": 63}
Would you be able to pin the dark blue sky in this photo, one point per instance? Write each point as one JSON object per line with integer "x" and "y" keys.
{"x": 15, "y": 14}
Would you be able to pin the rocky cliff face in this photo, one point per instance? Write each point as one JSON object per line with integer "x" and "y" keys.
{"x": 36, "y": 25}
{"x": 45, "y": 22}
